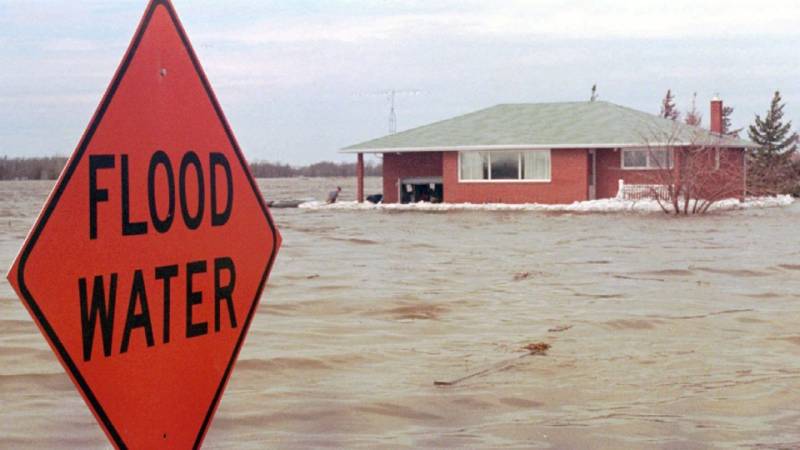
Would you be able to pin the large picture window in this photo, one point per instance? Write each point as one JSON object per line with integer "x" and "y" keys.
{"x": 528, "y": 165}
{"x": 646, "y": 158}
{"x": 505, "y": 166}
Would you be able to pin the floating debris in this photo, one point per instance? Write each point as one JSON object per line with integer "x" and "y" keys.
{"x": 533, "y": 349}
{"x": 537, "y": 348}
{"x": 559, "y": 329}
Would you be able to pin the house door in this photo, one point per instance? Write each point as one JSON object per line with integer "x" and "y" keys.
{"x": 413, "y": 190}
{"x": 592, "y": 174}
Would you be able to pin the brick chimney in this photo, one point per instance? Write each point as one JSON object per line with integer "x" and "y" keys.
{"x": 716, "y": 115}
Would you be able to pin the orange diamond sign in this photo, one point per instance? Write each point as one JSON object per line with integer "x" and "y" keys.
{"x": 146, "y": 265}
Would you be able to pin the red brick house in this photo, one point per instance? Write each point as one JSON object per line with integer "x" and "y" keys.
{"x": 544, "y": 153}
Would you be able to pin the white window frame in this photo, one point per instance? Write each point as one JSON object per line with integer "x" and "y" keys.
{"x": 649, "y": 165}
{"x": 520, "y": 161}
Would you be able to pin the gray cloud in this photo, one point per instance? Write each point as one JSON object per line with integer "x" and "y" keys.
{"x": 296, "y": 78}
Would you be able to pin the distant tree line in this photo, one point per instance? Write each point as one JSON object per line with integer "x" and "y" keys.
{"x": 263, "y": 169}
{"x": 44, "y": 168}
{"x": 48, "y": 168}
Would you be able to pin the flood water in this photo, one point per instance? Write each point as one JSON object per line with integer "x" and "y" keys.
{"x": 665, "y": 333}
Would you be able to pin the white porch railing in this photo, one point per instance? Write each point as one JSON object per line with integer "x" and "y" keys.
{"x": 642, "y": 191}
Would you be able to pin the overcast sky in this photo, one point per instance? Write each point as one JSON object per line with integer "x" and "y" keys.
{"x": 300, "y": 79}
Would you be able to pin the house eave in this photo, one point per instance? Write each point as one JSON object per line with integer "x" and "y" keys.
{"x": 451, "y": 148}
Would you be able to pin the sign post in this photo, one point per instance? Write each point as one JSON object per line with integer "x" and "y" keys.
{"x": 146, "y": 265}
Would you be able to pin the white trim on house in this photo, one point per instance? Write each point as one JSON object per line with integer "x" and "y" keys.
{"x": 504, "y": 181}
{"x": 648, "y": 156}
{"x": 519, "y": 178}
{"x": 461, "y": 148}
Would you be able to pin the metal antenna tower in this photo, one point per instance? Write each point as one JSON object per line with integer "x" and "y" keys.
{"x": 391, "y": 95}
{"x": 392, "y": 113}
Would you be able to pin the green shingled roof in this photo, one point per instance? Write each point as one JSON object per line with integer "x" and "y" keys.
{"x": 547, "y": 125}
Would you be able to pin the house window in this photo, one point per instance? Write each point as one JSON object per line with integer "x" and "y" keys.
{"x": 528, "y": 165}
{"x": 505, "y": 166}
{"x": 646, "y": 158}
{"x": 474, "y": 165}
{"x": 536, "y": 165}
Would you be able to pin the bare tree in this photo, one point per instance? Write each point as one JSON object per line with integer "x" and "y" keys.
{"x": 689, "y": 179}
{"x": 693, "y": 116}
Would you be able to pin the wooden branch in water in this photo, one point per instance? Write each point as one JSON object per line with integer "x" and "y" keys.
{"x": 534, "y": 349}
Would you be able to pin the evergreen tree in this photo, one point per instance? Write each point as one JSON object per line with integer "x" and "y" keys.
{"x": 668, "y": 109}
{"x": 693, "y": 117}
{"x": 770, "y": 167}
{"x": 776, "y": 138}
{"x": 727, "y": 111}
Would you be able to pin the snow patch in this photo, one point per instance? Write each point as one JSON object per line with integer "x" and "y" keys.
{"x": 607, "y": 205}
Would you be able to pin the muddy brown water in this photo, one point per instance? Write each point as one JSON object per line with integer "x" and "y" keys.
{"x": 665, "y": 333}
